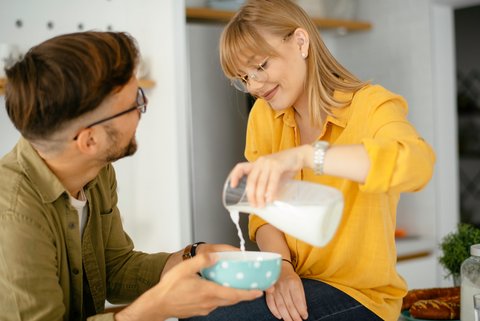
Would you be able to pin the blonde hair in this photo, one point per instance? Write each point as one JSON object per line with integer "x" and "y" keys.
{"x": 325, "y": 74}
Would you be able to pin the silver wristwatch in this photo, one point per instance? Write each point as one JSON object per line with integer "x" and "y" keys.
{"x": 319, "y": 150}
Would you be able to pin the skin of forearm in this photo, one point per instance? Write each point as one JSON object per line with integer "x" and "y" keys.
{"x": 270, "y": 239}
{"x": 347, "y": 161}
{"x": 173, "y": 260}
{"x": 134, "y": 311}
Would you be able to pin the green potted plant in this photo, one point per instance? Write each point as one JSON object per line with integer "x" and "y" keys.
{"x": 456, "y": 249}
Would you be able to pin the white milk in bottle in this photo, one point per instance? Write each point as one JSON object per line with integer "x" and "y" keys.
{"x": 307, "y": 211}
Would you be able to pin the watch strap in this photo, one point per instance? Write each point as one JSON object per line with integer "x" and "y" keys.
{"x": 191, "y": 250}
{"x": 319, "y": 150}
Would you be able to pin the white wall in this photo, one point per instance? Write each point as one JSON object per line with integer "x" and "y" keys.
{"x": 153, "y": 182}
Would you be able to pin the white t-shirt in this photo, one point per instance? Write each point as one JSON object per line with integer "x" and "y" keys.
{"x": 81, "y": 206}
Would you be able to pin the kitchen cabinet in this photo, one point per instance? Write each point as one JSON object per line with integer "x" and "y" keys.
{"x": 411, "y": 248}
{"x": 468, "y": 119}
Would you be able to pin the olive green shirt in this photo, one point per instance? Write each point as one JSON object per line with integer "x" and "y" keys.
{"x": 41, "y": 253}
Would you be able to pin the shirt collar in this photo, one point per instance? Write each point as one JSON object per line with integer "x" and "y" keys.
{"x": 42, "y": 178}
{"x": 339, "y": 115}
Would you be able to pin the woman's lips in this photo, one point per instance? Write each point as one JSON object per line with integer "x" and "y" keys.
{"x": 269, "y": 94}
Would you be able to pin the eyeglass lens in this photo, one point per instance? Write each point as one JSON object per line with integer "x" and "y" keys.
{"x": 141, "y": 98}
{"x": 258, "y": 75}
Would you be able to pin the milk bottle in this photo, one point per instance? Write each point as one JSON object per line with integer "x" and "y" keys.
{"x": 307, "y": 211}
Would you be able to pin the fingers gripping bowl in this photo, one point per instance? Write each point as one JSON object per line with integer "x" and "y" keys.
{"x": 245, "y": 270}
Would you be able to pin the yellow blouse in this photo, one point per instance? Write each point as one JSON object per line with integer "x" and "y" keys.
{"x": 360, "y": 260}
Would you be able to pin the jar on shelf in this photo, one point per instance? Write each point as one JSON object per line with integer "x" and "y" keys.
{"x": 470, "y": 275}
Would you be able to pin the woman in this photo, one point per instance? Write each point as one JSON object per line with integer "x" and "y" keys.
{"x": 315, "y": 121}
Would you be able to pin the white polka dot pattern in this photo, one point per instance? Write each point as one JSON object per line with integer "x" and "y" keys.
{"x": 250, "y": 270}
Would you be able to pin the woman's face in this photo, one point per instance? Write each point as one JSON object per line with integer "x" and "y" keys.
{"x": 283, "y": 81}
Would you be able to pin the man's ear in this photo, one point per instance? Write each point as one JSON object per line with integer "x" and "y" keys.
{"x": 303, "y": 41}
{"x": 87, "y": 142}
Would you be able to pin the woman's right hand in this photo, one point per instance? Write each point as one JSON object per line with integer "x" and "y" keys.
{"x": 181, "y": 293}
{"x": 266, "y": 173}
{"x": 286, "y": 299}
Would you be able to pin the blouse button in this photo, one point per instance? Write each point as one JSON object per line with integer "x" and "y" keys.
{"x": 75, "y": 271}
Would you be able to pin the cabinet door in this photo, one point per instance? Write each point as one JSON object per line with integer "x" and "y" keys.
{"x": 419, "y": 273}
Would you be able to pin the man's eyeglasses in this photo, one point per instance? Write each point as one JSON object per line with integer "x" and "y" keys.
{"x": 141, "y": 105}
{"x": 259, "y": 75}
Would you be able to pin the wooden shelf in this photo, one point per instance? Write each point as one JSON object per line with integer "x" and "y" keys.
{"x": 3, "y": 81}
{"x": 409, "y": 248}
{"x": 144, "y": 83}
{"x": 222, "y": 16}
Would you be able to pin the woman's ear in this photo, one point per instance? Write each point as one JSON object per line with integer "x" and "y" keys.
{"x": 302, "y": 39}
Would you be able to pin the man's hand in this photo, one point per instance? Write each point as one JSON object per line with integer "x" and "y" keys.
{"x": 182, "y": 293}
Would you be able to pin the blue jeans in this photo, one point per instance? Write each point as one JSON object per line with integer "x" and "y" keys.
{"x": 324, "y": 302}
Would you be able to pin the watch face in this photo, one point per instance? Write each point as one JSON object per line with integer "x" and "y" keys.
{"x": 321, "y": 143}
{"x": 187, "y": 252}
{"x": 320, "y": 147}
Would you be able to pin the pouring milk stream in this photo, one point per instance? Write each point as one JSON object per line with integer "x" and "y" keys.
{"x": 307, "y": 211}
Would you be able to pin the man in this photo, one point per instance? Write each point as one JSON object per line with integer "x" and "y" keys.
{"x": 63, "y": 252}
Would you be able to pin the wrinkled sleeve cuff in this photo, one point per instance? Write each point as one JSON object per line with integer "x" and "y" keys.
{"x": 382, "y": 158}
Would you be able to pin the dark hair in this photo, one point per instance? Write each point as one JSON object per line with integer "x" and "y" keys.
{"x": 66, "y": 77}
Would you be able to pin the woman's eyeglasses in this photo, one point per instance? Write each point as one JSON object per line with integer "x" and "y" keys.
{"x": 141, "y": 105}
{"x": 259, "y": 75}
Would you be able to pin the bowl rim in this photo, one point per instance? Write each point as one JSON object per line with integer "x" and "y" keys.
{"x": 247, "y": 256}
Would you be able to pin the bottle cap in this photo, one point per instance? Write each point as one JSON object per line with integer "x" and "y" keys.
{"x": 475, "y": 250}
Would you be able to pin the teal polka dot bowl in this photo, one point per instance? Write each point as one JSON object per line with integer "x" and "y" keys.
{"x": 245, "y": 270}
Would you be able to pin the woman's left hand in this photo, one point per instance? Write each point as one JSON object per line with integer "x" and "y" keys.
{"x": 286, "y": 299}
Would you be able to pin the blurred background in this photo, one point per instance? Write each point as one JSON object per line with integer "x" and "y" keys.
{"x": 193, "y": 132}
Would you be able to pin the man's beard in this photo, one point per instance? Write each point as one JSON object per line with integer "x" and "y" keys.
{"x": 114, "y": 152}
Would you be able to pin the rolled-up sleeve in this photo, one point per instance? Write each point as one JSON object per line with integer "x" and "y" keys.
{"x": 400, "y": 159}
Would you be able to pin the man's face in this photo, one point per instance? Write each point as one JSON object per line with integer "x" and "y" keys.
{"x": 120, "y": 131}
{"x": 116, "y": 150}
